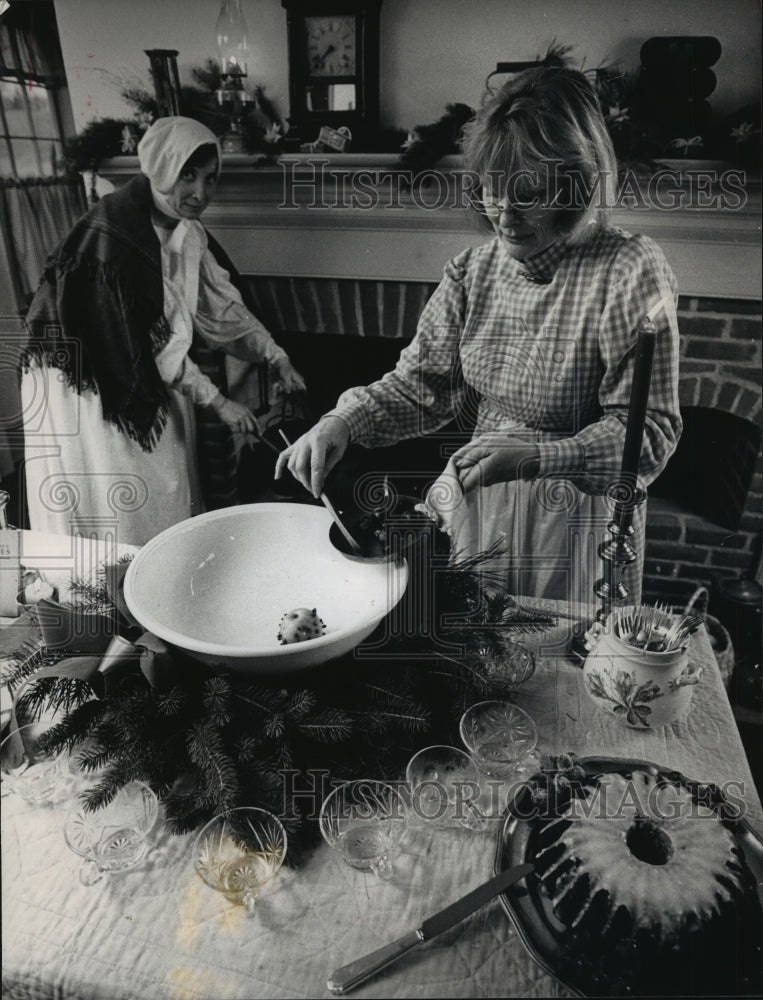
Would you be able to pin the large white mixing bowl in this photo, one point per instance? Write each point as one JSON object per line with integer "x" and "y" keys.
{"x": 217, "y": 586}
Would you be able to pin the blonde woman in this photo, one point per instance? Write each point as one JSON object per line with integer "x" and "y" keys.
{"x": 537, "y": 329}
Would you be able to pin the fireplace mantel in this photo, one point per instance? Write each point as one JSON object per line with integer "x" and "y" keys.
{"x": 349, "y": 216}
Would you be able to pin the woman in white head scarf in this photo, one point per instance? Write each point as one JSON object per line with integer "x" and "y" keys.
{"x": 110, "y": 438}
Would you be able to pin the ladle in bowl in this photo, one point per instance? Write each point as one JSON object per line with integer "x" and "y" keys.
{"x": 330, "y": 508}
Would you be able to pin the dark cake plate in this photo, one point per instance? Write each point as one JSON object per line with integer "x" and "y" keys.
{"x": 579, "y": 968}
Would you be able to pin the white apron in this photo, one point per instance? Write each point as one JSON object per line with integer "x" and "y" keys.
{"x": 84, "y": 476}
{"x": 549, "y": 529}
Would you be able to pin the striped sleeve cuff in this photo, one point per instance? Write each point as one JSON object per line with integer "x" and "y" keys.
{"x": 560, "y": 457}
{"x": 356, "y": 416}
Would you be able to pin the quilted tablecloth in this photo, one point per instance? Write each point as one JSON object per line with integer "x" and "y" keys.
{"x": 158, "y": 931}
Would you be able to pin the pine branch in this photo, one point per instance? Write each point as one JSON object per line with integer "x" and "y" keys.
{"x": 384, "y": 695}
{"x": 141, "y": 100}
{"x": 268, "y": 778}
{"x": 247, "y": 749}
{"x": 91, "y": 596}
{"x": 217, "y": 691}
{"x": 59, "y": 694}
{"x": 208, "y": 75}
{"x": 381, "y": 720}
{"x": 275, "y": 726}
{"x": 265, "y": 105}
{"x": 171, "y": 703}
{"x": 217, "y": 700}
{"x": 300, "y": 704}
{"x": 206, "y": 750}
{"x": 285, "y": 757}
{"x": 470, "y": 564}
{"x": 118, "y": 774}
{"x": 78, "y": 725}
{"x": 460, "y": 675}
{"x": 261, "y": 698}
{"x": 180, "y": 823}
{"x": 93, "y": 758}
{"x": 135, "y": 711}
{"x": 330, "y": 726}
{"x": 28, "y": 658}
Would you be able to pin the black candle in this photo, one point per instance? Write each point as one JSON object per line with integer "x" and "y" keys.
{"x": 642, "y": 375}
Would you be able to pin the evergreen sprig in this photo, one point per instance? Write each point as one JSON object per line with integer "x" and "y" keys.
{"x": 330, "y": 726}
{"x": 25, "y": 662}
{"x": 206, "y": 750}
{"x": 75, "y": 727}
{"x": 59, "y": 694}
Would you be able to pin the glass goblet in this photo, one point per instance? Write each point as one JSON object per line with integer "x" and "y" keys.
{"x": 364, "y": 821}
{"x": 509, "y": 661}
{"x": 39, "y": 776}
{"x": 500, "y": 737}
{"x": 240, "y": 851}
{"x": 116, "y": 837}
{"x": 444, "y": 782}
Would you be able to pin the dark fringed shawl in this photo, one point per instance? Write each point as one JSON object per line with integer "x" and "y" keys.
{"x": 98, "y": 314}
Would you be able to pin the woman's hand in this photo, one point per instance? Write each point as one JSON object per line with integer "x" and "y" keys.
{"x": 287, "y": 379}
{"x": 314, "y": 455}
{"x": 489, "y": 460}
{"x": 235, "y": 415}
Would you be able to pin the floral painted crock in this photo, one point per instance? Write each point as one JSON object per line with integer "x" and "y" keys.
{"x": 642, "y": 689}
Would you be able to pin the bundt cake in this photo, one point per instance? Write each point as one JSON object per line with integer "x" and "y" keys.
{"x": 650, "y": 882}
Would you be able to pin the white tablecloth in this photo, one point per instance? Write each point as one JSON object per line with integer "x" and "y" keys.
{"x": 158, "y": 931}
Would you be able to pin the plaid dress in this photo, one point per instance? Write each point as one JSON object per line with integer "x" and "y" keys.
{"x": 542, "y": 349}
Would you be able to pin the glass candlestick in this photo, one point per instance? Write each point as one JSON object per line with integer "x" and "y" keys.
{"x": 233, "y": 97}
{"x": 618, "y": 551}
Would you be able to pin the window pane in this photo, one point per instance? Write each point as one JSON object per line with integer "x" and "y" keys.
{"x": 42, "y": 111}
{"x": 15, "y": 108}
{"x": 5, "y": 159}
{"x": 26, "y": 159}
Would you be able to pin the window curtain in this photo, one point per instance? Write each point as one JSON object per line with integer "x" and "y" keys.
{"x": 36, "y": 215}
{"x": 31, "y": 59}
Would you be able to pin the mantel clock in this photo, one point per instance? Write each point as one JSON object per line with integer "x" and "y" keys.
{"x": 333, "y": 66}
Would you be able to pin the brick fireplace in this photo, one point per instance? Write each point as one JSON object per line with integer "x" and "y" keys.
{"x": 720, "y": 371}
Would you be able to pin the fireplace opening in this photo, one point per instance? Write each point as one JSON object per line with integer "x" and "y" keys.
{"x": 710, "y": 472}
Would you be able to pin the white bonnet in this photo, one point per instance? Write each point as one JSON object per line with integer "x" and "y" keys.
{"x": 167, "y": 145}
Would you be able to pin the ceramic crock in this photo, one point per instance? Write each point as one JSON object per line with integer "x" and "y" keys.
{"x": 642, "y": 689}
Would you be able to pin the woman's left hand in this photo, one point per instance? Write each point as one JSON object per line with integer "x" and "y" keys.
{"x": 488, "y": 460}
{"x": 287, "y": 379}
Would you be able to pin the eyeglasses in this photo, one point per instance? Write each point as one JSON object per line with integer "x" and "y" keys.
{"x": 529, "y": 201}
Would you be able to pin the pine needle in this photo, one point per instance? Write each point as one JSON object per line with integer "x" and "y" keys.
{"x": 329, "y": 727}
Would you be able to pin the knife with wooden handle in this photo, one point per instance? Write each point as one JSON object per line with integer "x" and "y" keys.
{"x": 350, "y": 976}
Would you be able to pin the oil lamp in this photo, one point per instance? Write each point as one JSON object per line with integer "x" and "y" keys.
{"x": 232, "y": 47}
